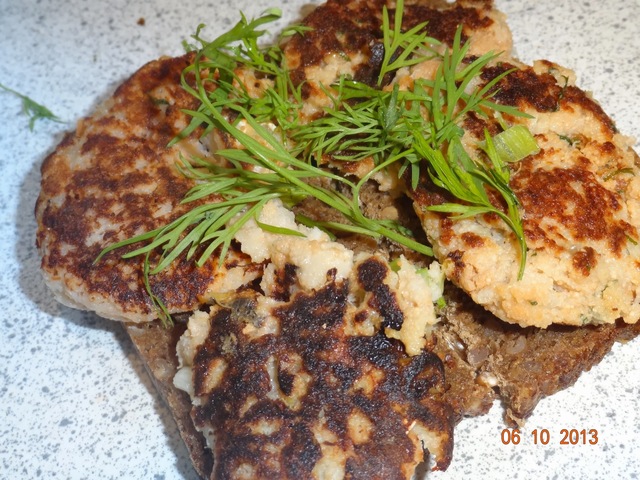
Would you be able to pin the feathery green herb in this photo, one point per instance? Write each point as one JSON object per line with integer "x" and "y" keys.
{"x": 278, "y": 155}
{"x": 466, "y": 179}
{"x": 403, "y": 49}
{"x": 223, "y": 88}
{"x": 32, "y": 109}
{"x": 423, "y": 124}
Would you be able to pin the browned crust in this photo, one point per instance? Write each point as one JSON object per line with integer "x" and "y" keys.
{"x": 116, "y": 169}
{"x": 526, "y": 89}
{"x": 370, "y": 273}
{"x": 544, "y": 195}
{"x": 311, "y": 328}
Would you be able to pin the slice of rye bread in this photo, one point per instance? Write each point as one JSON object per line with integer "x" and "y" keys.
{"x": 156, "y": 346}
{"x": 484, "y": 359}
{"x": 523, "y": 365}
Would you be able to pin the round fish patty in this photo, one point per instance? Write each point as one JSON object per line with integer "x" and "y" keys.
{"x": 114, "y": 178}
{"x": 579, "y": 203}
{"x": 296, "y": 390}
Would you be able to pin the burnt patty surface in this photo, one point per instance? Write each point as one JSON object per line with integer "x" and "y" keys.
{"x": 294, "y": 394}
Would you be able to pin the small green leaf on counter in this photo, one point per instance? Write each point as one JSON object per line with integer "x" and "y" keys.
{"x": 32, "y": 109}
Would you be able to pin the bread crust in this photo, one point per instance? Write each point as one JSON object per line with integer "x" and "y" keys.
{"x": 156, "y": 346}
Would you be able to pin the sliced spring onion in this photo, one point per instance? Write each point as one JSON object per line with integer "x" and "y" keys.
{"x": 515, "y": 143}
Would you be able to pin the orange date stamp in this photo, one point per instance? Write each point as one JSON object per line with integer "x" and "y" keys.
{"x": 542, "y": 436}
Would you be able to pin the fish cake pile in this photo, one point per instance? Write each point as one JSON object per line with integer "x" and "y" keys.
{"x": 578, "y": 196}
{"x": 299, "y": 370}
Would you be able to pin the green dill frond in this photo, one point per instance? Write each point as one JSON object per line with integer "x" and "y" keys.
{"x": 277, "y": 155}
{"x": 32, "y": 109}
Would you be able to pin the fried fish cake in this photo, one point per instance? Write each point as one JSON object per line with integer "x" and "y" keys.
{"x": 293, "y": 391}
{"x": 345, "y": 38}
{"x": 579, "y": 198}
{"x": 578, "y": 195}
{"x": 114, "y": 178}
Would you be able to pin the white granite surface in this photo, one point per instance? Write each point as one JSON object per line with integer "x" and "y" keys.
{"x": 75, "y": 402}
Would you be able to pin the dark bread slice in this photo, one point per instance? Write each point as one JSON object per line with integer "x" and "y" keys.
{"x": 524, "y": 365}
{"x": 156, "y": 346}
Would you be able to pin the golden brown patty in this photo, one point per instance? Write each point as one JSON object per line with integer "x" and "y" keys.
{"x": 111, "y": 179}
{"x": 580, "y": 204}
{"x": 483, "y": 358}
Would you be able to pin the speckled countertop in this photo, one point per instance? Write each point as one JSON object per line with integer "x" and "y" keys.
{"x": 75, "y": 401}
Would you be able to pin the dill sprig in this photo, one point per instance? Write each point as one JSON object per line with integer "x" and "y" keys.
{"x": 222, "y": 86}
{"x": 32, "y": 109}
{"x": 277, "y": 155}
{"x": 403, "y": 49}
{"x": 467, "y": 180}
{"x": 384, "y": 120}
{"x": 223, "y": 96}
